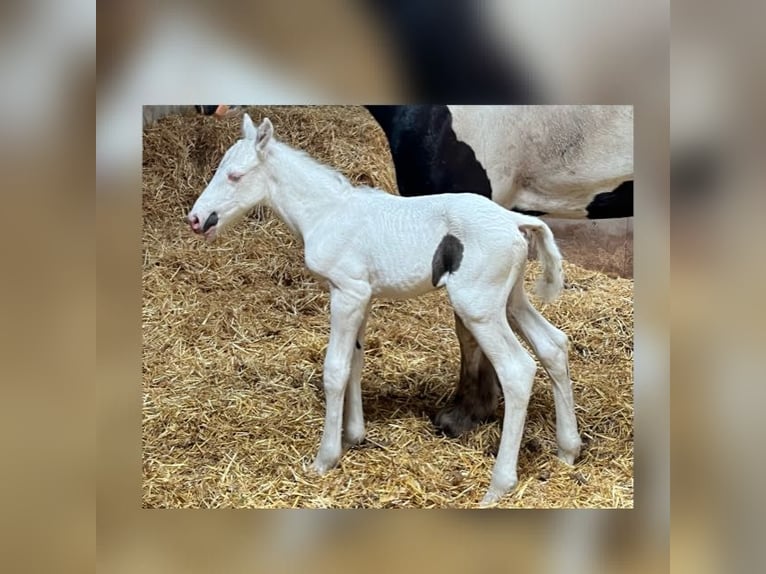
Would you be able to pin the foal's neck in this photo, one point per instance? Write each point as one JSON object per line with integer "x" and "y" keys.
{"x": 302, "y": 190}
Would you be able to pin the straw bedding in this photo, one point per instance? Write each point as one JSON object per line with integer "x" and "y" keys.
{"x": 234, "y": 335}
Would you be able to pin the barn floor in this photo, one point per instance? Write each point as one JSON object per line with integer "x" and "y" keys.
{"x": 234, "y": 334}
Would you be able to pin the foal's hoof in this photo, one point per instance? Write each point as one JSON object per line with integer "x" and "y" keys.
{"x": 353, "y": 437}
{"x": 490, "y": 499}
{"x": 569, "y": 451}
{"x": 320, "y": 467}
{"x": 567, "y": 457}
{"x": 497, "y": 489}
{"x": 352, "y": 441}
{"x": 454, "y": 420}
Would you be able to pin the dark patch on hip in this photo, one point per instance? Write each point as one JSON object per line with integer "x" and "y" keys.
{"x": 447, "y": 258}
{"x": 615, "y": 203}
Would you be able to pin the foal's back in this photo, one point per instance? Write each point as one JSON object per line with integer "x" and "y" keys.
{"x": 393, "y": 242}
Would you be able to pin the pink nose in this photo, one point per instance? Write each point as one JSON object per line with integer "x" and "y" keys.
{"x": 199, "y": 227}
{"x": 194, "y": 223}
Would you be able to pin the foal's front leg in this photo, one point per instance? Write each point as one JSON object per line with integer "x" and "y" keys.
{"x": 347, "y": 313}
{"x": 353, "y": 414}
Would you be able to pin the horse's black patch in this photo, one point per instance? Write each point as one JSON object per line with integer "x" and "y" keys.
{"x": 696, "y": 172}
{"x": 615, "y": 203}
{"x": 358, "y": 346}
{"x": 449, "y": 54}
{"x": 447, "y": 258}
{"x": 428, "y": 157}
{"x": 206, "y": 110}
{"x": 532, "y": 212}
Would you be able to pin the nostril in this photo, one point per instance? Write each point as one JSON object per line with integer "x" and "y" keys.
{"x": 211, "y": 220}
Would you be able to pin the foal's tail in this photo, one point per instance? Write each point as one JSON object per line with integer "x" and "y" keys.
{"x": 550, "y": 283}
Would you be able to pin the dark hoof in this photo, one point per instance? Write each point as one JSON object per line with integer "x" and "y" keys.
{"x": 454, "y": 421}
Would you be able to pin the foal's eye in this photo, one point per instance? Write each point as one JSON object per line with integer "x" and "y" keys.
{"x": 235, "y": 177}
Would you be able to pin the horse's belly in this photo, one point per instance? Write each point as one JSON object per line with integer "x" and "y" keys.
{"x": 401, "y": 284}
{"x": 399, "y": 258}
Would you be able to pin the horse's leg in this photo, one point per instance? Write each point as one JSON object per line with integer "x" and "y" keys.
{"x": 353, "y": 414}
{"x": 477, "y": 390}
{"x": 551, "y": 347}
{"x": 347, "y": 313}
{"x": 483, "y": 313}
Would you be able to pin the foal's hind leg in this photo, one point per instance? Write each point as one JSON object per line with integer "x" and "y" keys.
{"x": 551, "y": 347}
{"x": 483, "y": 313}
{"x": 477, "y": 391}
{"x": 516, "y": 372}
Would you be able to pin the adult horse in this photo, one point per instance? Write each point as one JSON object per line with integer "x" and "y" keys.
{"x": 564, "y": 161}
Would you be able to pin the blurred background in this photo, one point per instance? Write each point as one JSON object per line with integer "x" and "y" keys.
{"x": 520, "y": 51}
{"x": 396, "y": 51}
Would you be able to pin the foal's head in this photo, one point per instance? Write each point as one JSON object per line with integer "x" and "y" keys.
{"x": 237, "y": 185}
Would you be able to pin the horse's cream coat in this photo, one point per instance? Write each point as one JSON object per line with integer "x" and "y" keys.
{"x": 365, "y": 243}
{"x": 553, "y": 159}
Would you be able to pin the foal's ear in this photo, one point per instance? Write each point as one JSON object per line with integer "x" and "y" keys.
{"x": 249, "y": 132}
{"x": 265, "y": 131}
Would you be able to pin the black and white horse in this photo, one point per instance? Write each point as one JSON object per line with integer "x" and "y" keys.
{"x": 564, "y": 161}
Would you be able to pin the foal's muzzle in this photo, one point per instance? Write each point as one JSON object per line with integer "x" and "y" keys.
{"x": 211, "y": 221}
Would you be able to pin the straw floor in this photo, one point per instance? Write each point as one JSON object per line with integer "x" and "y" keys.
{"x": 234, "y": 335}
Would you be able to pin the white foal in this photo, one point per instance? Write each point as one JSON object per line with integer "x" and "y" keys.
{"x": 366, "y": 243}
